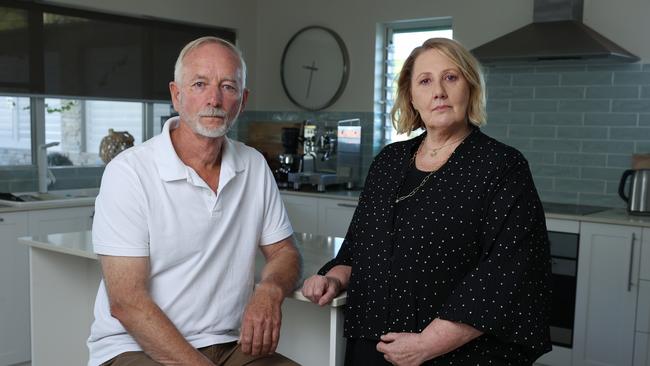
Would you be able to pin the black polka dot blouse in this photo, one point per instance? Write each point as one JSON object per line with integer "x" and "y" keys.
{"x": 469, "y": 246}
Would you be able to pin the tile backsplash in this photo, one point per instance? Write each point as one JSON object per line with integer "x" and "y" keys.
{"x": 577, "y": 124}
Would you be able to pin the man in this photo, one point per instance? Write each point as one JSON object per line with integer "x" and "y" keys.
{"x": 177, "y": 223}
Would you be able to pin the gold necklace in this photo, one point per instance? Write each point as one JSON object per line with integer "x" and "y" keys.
{"x": 426, "y": 178}
{"x": 435, "y": 150}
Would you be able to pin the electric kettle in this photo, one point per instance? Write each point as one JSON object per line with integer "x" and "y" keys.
{"x": 638, "y": 194}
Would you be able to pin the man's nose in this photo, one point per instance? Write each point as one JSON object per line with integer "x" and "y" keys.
{"x": 216, "y": 97}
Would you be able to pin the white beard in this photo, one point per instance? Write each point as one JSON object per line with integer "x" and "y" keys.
{"x": 212, "y": 132}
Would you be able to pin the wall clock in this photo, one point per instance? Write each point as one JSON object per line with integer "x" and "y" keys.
{"x": 314, "y": 68}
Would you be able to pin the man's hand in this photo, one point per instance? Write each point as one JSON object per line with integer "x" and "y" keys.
{"x": 321, "y": 290}
{"x": 260, "y": 329}
{"x": 403, "y": 349}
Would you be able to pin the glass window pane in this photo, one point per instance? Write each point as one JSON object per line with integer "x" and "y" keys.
{"x": 91, "y": 57}
{"x": 161, "y": 113}
{"x": 80, "y": 126}
{"x": 15, "y": 131}
{"x": 14, "y": 42}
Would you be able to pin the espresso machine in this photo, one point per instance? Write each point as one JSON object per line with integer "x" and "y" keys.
{"x": 290, "y": 161}
{"x": 320, "y": 164}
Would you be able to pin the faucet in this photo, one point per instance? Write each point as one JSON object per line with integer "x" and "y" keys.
{"x": 45, "y": 175}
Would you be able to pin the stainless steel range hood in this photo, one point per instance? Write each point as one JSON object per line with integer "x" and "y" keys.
{"x": 557, "y": 33}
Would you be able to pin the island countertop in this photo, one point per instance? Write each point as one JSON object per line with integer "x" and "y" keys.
{"x": 316, "y": 250}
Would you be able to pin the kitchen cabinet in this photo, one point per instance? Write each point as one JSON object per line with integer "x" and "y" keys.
{"x": 14, "y": 271}
{"x": 642, "y": 350}
{"x": 319, "y": 215}
{"x": 334, "y": 216}
{"x": 606, "y": 296}
{"x": 14, "y": 290}
{"x": 303, "y": 212}
{"x": 642, "y": 337}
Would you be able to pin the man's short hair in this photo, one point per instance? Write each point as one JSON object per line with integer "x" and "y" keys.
{"x": 204, "y": 40}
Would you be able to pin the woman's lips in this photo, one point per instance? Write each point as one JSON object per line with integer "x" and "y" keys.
{"x": 441, "y": 108}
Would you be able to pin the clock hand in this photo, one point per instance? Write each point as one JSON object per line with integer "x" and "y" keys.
{"x": 311, "y": 69}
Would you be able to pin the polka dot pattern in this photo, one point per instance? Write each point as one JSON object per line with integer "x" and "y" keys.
{"x": 470, "y": 246}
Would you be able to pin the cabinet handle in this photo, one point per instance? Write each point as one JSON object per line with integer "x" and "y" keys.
{"x": 629, "y": 275}
{"x": 346, "y": 205}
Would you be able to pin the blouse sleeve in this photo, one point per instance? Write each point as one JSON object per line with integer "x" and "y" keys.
{"x": 507, "y": 294}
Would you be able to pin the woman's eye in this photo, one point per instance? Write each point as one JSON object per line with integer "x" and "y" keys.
{"x": 451, "y": 77}
{"x": 425, "y": 81}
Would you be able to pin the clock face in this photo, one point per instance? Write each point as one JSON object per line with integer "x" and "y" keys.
{"x": 314, "y": 68}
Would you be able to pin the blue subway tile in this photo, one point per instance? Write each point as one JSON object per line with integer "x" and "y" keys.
{"x": 560, "y": 68}
{"x": 612, "y": 92}
{"x": 615, "y": 67}
{"x": 498, "y": 80}
{"x": 631, "y": 78}
{"x": 509, "y": 93}
{"x": 629, "y": 133}
{"x": 600, "y": 173}
{"x": 543, "y": 183}
{"x": 644, "y": 119}
{"x": 607, "y": 147}
{"x": 642, "y": 147}
{"x": 579, "y": 185}
{"x": 558, "y": 92}
{"x": 540, "y": 157}
{"x": 583, "y": 106}
{"x": 517, "y": 143}
{"x": 610, "y": 119}
{"x": 495, "y": 130}
{"x": 507, "y": 68}
{"x": 497, "y": 106}
{"x": 586, "y": 78}
{"x": 543, "y": 170}
{"x": 582, "y": 132}
{"x": 631, "y": 105}
{"x": 533, "y": 106}
{"x": 535, "y": 79}
{"x": 558, "y": 119}
{"x": 514, "y": 118}
{"x": 531, "y": 131}
{"x": 580, "y": 159}
{"x": 619, "y": 160}
{"x": 555, "y": 145}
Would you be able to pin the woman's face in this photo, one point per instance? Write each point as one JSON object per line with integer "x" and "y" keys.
{"x": 439, "y": 91}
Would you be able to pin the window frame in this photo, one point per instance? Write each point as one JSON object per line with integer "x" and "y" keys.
{"x": 382, "y": 79}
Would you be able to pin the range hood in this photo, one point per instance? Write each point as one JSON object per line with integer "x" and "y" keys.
{"x": 557, "y": 33}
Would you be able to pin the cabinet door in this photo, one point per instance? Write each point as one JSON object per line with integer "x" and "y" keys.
{"x": 606, "y": 295}
{"x": 645, "y": 255}
{"x": 60, "y": 220}
{"x": 334, "y": 216}
{"x": 642, "y": 349}
{"x": 302, "y": 211}
{"x": 14, "y": 290}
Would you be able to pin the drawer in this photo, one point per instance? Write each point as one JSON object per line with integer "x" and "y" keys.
{"x": 643, "y": 307}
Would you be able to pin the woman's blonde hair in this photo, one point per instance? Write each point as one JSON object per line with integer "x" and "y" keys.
{"x": 406, "y": 118}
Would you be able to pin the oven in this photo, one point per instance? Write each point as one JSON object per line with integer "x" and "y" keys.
{"x": 564, "y": 259}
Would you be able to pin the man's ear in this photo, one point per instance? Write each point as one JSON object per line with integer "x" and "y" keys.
{"x": 244, "y": 100}
{"x": 175, "y": 92}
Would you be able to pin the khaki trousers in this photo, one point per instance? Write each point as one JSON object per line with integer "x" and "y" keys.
{"x": 226, "y": 354}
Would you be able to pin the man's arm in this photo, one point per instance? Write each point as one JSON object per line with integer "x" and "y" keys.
{"x": 260, "y": 329}
{"x": 127, "y": 284}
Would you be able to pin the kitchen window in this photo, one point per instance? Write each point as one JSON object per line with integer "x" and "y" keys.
{"x": 78, "y": 125}
{"x": 398, "y": 39}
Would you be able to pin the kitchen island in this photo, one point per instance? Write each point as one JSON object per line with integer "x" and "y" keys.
{"x": 65, "y": 276}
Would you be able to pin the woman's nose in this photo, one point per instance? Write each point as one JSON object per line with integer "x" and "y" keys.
{"x": 439, "y": 91}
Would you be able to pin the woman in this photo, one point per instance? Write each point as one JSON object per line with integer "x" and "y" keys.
{"x": 446, "y": 260}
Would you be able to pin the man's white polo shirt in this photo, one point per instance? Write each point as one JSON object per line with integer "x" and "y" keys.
{"x": 201, "y": 245}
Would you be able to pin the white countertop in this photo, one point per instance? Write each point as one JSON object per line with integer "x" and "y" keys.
{"x": 316, "y": 250}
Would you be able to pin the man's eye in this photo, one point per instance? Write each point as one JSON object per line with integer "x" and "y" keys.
{"x": 199, "y": 84}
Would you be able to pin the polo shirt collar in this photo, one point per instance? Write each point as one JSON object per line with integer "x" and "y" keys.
{"x": 171, "y": 167}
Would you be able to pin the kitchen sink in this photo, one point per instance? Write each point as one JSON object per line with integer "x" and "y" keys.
{"x": 23, "y": 199}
